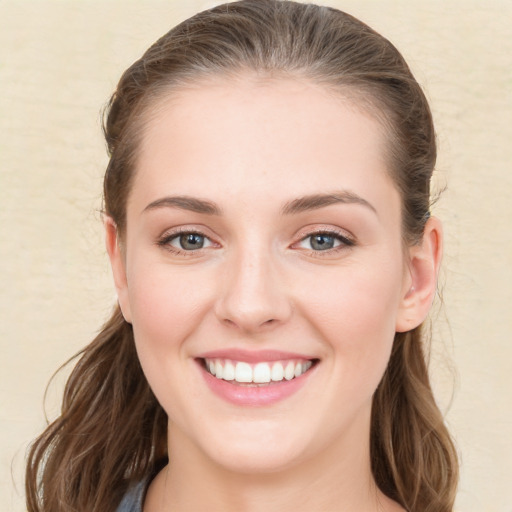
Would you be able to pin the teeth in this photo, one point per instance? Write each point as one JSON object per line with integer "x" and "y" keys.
{"x": 277, "y": 372}
{"x": 218, "y": 369}
{"x": 260, "y": 373}
{"x": 229, "y": 371}
{"x": 243, "y": 372}
{"x": 289, "y": 371}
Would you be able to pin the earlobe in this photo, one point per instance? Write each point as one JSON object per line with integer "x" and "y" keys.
{"x": 423, "y": 270}
{"x": 117, "y": 263}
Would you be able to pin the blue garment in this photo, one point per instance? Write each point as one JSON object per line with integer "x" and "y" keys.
{"x": 134, "y": 498}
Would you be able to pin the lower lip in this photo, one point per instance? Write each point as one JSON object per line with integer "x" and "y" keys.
{"x": 255, "y": 395}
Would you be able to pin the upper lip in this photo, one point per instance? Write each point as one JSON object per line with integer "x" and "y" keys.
{"x": 252, "y": 356}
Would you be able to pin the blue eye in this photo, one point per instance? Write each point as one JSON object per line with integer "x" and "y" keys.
{"x": 322, "y": 242}
{"x": 325, "y": 241}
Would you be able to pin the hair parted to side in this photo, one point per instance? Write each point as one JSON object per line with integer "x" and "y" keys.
{"x": 112, "y": 431}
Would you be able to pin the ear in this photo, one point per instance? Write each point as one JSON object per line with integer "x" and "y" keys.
{"x": 118, "y": 265}
{"x": 420, "y": 283}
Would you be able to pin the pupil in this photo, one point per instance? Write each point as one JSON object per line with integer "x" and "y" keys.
{"x": 191, "y": 241}
{"x": 322, "y": 242}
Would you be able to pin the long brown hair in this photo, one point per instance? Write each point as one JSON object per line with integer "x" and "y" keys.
{"x": 112, "y": 431}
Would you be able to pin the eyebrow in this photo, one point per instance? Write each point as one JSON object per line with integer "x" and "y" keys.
{"x": 192, "y": 204}
{"x": 299, "y": 205}
{"x": 315, "y": 201}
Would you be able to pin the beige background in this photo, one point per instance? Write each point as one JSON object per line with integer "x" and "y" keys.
{"x": 59, "y": 61}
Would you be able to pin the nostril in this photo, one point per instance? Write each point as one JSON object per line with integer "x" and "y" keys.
{"x": 247, "y": 325}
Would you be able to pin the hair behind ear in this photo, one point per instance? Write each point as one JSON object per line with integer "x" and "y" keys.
{"x": 106, "y": 400}
{"x": 413, "y": 457}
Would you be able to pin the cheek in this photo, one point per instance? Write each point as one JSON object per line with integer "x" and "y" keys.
{"x": 167, "y": 304}
{"x": 355, "y": 311}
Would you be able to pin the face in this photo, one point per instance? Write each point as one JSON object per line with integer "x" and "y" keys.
{"x": 263, "y": 245}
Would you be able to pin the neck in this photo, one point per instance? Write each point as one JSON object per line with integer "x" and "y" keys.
{"x": 339, "y": 478}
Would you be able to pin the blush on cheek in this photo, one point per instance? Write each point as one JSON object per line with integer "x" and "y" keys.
{"x": 364, "y": 305}
{"x": 166, "y": 312}
{"x": 357, "y": 315}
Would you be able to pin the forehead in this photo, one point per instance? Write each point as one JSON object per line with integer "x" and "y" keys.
{"x": 259, "y": 135}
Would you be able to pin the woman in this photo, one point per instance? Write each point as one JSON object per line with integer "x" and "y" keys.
{"x": 267, "y": 222}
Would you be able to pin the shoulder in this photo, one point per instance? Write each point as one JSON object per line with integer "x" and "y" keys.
{"x": 134, "y": 498}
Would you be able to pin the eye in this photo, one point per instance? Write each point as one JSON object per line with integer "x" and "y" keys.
{"x": 325, "y": 241}
{"x": 321, "y": 241}
{"x": 189, "y": 241}
{"x": 186, "y": 241}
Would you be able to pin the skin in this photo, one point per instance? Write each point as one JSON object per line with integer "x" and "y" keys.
{"x": 251, "y": 147}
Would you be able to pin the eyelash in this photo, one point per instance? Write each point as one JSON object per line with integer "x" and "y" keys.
{"x": 169, "y": 237}
{"x": 345, "y": 242}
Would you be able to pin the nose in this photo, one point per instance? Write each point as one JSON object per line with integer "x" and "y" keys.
{"x": 253, "y": 294}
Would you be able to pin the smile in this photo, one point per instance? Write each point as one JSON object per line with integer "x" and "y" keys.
{"x": 255, "y": 379}
{"x": 242, "y": 372}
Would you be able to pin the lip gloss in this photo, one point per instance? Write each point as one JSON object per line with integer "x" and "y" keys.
{"x": 253, "y": 394}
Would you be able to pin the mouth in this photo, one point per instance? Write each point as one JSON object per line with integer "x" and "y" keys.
{"x": 255, "y": 378}
{"x": 257, "y": 374}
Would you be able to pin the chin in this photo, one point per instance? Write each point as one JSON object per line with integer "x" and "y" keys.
{"x": 257, "y": 447}
{"x": 249, "y": 458}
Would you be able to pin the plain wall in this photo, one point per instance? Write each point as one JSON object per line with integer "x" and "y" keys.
{"x": 59, "y": 62}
